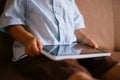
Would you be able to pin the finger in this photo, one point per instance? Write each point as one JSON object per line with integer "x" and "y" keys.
{"x": 93, "y": 44}
{"x": 36, "y": 49}
{"x": 96, "y": 46}
{"x": 39, "y": 45}
{"x": 29, "y": 52}
{"x": 33, "y": 51}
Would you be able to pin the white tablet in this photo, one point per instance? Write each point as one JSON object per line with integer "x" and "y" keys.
{"x": 72, "y": 51}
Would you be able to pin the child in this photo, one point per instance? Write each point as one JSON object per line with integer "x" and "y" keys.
{"x": 34, "y": 23}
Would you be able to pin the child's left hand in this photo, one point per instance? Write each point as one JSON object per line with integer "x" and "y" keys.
{"x": 84, "y": 39}
{"x": 90, "y": 42}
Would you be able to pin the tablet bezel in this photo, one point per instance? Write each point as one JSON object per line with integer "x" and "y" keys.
{"x": 103, "y": 53}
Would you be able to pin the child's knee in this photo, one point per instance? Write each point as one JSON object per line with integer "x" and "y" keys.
{"x": 113, "y": 73}
{"x": 81, "y": 76}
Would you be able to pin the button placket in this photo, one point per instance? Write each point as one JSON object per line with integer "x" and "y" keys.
{"x": 59, "y": 18}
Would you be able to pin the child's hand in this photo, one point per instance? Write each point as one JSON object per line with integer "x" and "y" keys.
{"x": 83, "y": 38}
{"x": 33, "y": 46}
{"x": 90, "y": 42}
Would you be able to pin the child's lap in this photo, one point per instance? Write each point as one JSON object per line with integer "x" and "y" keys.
{"x": 46, "y": 69}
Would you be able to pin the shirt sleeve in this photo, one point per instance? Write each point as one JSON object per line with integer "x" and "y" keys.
{"x": 78, "y": 18}
{"x": 13, "y": 14}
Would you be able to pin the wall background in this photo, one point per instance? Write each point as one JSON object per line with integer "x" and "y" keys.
{"x": 116, "y": 11}
{"x": 98, "y": 15}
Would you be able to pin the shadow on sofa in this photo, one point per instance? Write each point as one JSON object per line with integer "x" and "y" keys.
{"x": 7, "y": 69}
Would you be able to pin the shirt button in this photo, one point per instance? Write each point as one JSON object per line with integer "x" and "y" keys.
{"x": 61, "y": 27}
{"x": 57, "y": 12}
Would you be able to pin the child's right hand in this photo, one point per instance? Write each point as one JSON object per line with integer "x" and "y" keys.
{"x": 33, "y": 46}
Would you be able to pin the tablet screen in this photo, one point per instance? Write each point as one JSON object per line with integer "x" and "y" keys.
{"x": 72, "y": 49}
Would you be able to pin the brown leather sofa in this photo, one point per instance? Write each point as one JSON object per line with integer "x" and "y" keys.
{"x": 100, "y": 21}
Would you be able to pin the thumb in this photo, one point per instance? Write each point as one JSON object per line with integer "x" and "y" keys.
{"x": 39, "y": 44}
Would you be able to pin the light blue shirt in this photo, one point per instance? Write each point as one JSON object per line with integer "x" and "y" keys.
{"x": 53, "y": 21}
